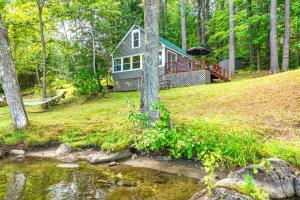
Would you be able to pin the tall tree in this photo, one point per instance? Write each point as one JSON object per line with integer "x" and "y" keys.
{"x": 250, "y": 32}
{"x": 9, "y": 81}
{"x": 201, "y": 20}
{"x": 41, "y": 4}
{"x": 273, "y": 38}
{"x": 231, "y": 38}
{"x": 150, "y": 91}
{"x": 286, "y": 39}
{"x": 183, "y": 24}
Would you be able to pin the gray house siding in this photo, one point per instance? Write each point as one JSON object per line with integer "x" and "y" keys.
{"x": 125, "y": 48}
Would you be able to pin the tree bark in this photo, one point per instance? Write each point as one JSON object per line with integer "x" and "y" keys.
{"x": 231, "y": 39}
{"x": 273, "y": 38}
{"x": 41, "y": 4}
{"x": 150, "y": 93}
{"x": 250, "y": 32}
{"x": 258, "y": 65}
{"x": 287, "y": 35}
{"x": 9, "y": 81}
{"x": 37, "y": 74}
{"x": 183, "y": 24}
{"x": 94, "y": 52}
{"x": 201, "y": 20}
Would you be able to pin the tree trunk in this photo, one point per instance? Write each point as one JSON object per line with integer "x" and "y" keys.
{"x": 37, "y": 74}
{"x": 286, "y": 39}
{"x": 250, "y": 32}
{"x": 40, "y": 4}
{"x": 150, "y": 93}
{"x": 231, "y": 39}
{"x": 183, "y": 24}
{"x": 273, "y": 38}
{"x": 94, "y": 53}
{"x": 9, "y": 81}
{"x": 258, "y": 65}
{"x": 201, "y": 20}
{"x": 297, "y": 49}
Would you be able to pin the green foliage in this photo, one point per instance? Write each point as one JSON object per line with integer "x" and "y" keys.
{"x": 250, "y": 189}
{"x": 287, "y": 151}
{"x": 86, "y": 83}
{"x": 16, "y": 137}
{"x": 211, "y": 161}
{"x": 197, "y": 139}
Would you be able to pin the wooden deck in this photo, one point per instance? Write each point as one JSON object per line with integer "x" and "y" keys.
{"x": 215, "y": 70}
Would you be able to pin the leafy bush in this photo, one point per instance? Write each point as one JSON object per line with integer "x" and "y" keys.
{"x": 86, "y": 83}
{"x": 196, "y": 140}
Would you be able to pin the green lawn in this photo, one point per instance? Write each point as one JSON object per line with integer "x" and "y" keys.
{"x": 269, "y": 106}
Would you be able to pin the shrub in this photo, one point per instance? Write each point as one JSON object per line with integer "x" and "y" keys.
{"x": 197, "y": 139}
{"x": 86, "y": 83}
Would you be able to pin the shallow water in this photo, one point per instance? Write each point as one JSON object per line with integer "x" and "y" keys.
{"x": 34, "y": 179}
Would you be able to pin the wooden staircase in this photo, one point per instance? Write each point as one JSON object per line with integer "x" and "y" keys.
{"x": 215, "y": 70}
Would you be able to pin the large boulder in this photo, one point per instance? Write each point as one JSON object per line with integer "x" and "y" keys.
{"x": 103, "y": 157}
{"x": 220, "y": 193}
{"x": 63, "y": 149}
{"x": 279, "y": 181}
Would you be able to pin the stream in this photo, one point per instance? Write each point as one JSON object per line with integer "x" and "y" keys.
{"x": 37, "y": 178}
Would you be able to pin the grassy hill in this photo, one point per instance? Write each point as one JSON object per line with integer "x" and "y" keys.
{"x": 268, "y": 106}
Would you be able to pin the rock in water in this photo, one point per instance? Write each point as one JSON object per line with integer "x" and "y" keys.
{"x": 17, "y": 152}
{"x": 103, "y": 157}
{"x": 68, "y": 166}
{"x": 68, "y": 159}
{"x": 63, "y": 149}
{"x": 112, "y": 164}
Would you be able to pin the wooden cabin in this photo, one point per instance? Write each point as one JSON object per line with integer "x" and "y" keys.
{"x": 176, "y": 67}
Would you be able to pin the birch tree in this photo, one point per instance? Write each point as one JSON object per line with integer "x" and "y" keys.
{"x": 183, "y": 24}
{"x": 41, "y": 4}
{"x": 273, "y": 38}
{"x": 150, "y": 91}
{"x": 9, "y": 81}
{"x": 286, "y": 39}
{"x": 231, "y": 39}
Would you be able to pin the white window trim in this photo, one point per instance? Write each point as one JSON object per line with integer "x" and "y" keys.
{"x": 113, "y": 64}
{"x": 132, "y": 38}
{"x": 131, "y": 60}
{"x": 176, "y": 58}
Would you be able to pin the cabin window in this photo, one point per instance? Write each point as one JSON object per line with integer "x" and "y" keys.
{"x": 160, "y": 58}
{"x": 136, "y": 62}
{"x": 136, "y": 39}
{"x": 171, "y": 57}
{"x": 126, "y": 63}
{"x": 117, "y": 65}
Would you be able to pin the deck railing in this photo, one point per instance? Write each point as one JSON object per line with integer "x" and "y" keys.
{"x": 180, "y": 66}
{"x": 197, "y": 64}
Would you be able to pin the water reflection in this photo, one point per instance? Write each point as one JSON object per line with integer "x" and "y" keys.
{"x": 40, "y": 179}
{"x": 15, "y": 187}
